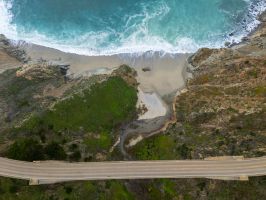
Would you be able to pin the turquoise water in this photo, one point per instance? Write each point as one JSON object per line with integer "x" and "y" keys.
{"x": 128, "y": 26}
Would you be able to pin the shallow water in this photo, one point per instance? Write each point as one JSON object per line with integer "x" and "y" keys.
{"x": 128, "y": 26}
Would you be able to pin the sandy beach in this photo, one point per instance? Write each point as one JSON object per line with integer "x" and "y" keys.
{"x": 164, "y": 74}
{"x": 159, "y": 76}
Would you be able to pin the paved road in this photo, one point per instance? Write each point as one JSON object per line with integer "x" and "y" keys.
{"x": 50, "y": 172}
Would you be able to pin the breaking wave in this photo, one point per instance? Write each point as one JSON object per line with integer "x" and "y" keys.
{"x": 134, "y": 27}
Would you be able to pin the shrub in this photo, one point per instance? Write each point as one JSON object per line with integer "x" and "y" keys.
{"x": 75, "y": 156}
{"x": 26, "y": 149}
{"x": 101, "y": 108}
{"x": 54, "y": 151}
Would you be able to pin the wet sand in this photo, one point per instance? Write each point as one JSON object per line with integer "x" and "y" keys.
{"x": 164, "y": 74}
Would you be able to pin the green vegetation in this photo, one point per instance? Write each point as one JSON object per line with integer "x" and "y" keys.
{"x": 91, "y": 116}
{"x": 260, "y": 91}
{"x": 250, "y": 122}
{"x": 83, "y": 126}
{"x": 161, "y": 147}
{"x": 20, "y": 83}
{"x": 29, "y": 149}
{"x": 75, "y": 156}
{"x": 89, "y": 190}
{"x": 118, "y": 191}
{"x": 190, "y": 189}
{"x": 26, "y": 149}
{"x": 21, "y": 96}
{"x": 222, "y": 114}
{"x": 101, "y": 142}
{"x": 100, "y": 108}
{"x": 169, "y": 188}
{"x": 54, "y": 151}
{"x": 242, "y": 135}
{"x": 160, "y": 189}
{"x": 17, "y": 86}
{"x": 253, "y": 73}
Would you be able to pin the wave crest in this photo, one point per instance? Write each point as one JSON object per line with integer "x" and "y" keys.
{"x": 136, "y": 38}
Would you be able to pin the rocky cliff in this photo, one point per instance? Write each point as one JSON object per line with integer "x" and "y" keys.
{"x": 221, "y": 113}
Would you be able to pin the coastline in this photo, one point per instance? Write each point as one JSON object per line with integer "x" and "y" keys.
{"x": 253, "y": 46}
{"x": 162, "y": 67}
{"x": 210, "y": 105}
{"x": 159, "y": 77}
{"x": 162, "y": 74}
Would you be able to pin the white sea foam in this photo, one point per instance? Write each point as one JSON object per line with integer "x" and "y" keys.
{"x": 140, "y": 40}
{"x": 5, "y": 20}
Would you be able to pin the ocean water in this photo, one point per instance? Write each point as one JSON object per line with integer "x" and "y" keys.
{"x": 105, "y": 27}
